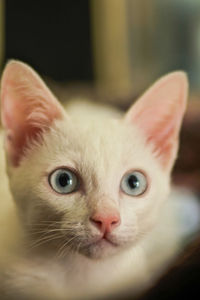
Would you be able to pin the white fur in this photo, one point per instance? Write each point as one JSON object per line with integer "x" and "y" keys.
{"x": 102, "y": 148}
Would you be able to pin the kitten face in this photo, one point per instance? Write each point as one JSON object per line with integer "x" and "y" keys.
{"x": 90, "y": 184}
{"x": 100, "y": 155}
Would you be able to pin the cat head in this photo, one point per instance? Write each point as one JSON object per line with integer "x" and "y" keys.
{"x": 93, "y": 184}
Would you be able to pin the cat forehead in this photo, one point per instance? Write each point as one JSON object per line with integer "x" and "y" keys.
{"x": 95, "y": 144}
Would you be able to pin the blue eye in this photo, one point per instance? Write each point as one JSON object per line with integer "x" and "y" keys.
{"x": 134, "y": 183}
{"x": 63, "y": 181}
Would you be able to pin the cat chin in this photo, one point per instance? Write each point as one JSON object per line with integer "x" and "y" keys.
{"x": 100, "y": 249}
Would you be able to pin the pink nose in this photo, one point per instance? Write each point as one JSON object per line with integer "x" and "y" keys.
{"x": 105, "y": 223}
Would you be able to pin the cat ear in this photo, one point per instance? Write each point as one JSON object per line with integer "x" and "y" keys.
{"x": 159, "y": 112}
{"x": 27, "y": 108}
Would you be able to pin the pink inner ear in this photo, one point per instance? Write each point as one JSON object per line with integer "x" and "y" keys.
{"x": 164, "y": 137}
{"x": 159, "y": 113}
{"x": 28, "y": 107}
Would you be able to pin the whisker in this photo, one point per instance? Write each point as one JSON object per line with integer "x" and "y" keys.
{"x": 43, "y": 240}
{"x": 61, "y": 251}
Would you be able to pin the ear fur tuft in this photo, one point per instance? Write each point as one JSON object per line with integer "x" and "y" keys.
{"x": 159, "y": 113}
{"x": 27, "y": 107}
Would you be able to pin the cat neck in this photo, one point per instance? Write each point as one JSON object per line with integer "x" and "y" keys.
{"x": 94, "y": 276}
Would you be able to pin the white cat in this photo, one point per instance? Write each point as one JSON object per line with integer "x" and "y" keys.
{"x": 90, "y": 187}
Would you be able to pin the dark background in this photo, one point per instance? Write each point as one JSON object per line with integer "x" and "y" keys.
{"x": 54, "y": 37}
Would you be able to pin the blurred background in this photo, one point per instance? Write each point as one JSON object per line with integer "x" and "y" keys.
{"x": 121, "y": 46}
{"x": 111, "y": 51}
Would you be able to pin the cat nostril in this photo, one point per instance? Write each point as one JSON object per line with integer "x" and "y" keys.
{"x": 114, "y": 222}
{"x": 105, "y": 223}
{"x": 96, "y": 222}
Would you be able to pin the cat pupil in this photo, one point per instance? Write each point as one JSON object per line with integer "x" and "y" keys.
{"x": 64, "y": 179}
{"x": 133, "y": 182}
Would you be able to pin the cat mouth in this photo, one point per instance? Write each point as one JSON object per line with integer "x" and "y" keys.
{"x": 99, "y": 246}
{"x": 103, "y": 242}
